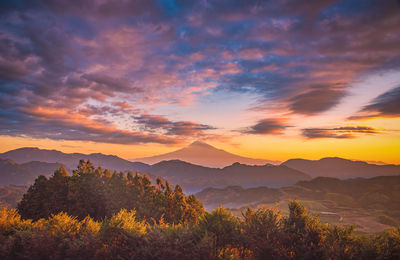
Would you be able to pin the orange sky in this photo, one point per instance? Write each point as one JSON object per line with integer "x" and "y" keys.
{"x": 261, "y": 79}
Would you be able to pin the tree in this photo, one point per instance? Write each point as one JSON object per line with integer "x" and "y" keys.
{"x": 99, "y": 194}
{"x": 303, "y": 233}
{"x": 262, "y": 233}
{"x": 222, "y": 228}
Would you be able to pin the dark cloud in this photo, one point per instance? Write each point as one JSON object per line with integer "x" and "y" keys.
{"x": 316, "y": 100}
{"x": 180, "y": 128}
{"x": 99, "y": 9}
{"x": 338, "y": 132}
{"x": 108, "y": 83}
{"x": 267, "y": 126}
{"x": 385, "y": 105}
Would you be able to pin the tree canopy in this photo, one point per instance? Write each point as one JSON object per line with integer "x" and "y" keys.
{"x": 98, "y": 193}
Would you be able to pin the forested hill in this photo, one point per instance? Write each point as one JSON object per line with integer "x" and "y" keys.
{"x": 363, "y": 202}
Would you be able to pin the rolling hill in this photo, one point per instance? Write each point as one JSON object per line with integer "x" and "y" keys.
{"x": 370, "y": 204}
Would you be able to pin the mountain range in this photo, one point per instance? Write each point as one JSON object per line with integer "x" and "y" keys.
{"x": 204, "y": 154}
{"x": 23, "y": 165}
{"x": 195, "y": 177}
{"x": 191, "y": 177}
{"x": 341, "y": 168}
{"x": 71, "y": 160}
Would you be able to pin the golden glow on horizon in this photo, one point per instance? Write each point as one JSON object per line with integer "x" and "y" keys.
{"x": 86, "y": 147}
{"x": 367, "y": 148}
{"x": 374, "y": 147}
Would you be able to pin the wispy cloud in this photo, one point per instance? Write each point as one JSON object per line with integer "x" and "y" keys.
{"x": 338, "y": 132}
{"x": 385, "y": 105}
{"x": 179, "y": 128}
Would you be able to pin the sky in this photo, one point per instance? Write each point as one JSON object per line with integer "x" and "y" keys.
{"x": 266, "y": 79}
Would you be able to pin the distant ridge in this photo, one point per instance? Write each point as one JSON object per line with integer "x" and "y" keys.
{"x": 30, "y": 162}
{"x": 22, "y": 166}
{"x": 25, "y": 173}
{"x": 341, "y": 168}
{"x": 201, "y": 153}
{"x": 71, "y": 160}
{"x": 194, "y": 178}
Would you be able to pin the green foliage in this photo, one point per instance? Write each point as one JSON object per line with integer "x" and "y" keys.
{"x": 222, "y": 228}
{"x": 98, "y": 193}
{"x": 261, "y": 233}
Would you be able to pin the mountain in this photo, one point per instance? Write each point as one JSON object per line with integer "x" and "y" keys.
{"x": 204, "y": 154}
{"x": 195, "y": 177}
{"x": 341, "y": 168}
{"x": 24, "y": 174}
{"x": 71, "y": 160}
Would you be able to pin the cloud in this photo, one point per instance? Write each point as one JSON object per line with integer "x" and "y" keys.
{"x": 114, "y": 59}
{"x": 316, "y": 100}
{"x": 385, "y": 105}
{"x": 40, "y": 122}
{"x": 106, "y": 83}
{"x": 179, "y": 128}
{"x": 338, "y": 132}
{"x": 267, "y": 126}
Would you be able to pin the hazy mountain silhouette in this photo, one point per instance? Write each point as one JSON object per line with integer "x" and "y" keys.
{"x": 24, "y": 174}
{"x": 195, "y": 177}
{"x": 71, "y": 160}
{"x": 341, "y": 168}
{"x": 190, "y": 176}
{"x": 10, "y": 195}
{"x": 204, "y": 154}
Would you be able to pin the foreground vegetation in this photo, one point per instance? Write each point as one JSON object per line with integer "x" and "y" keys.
{"x": 94, "y": 214}
{"x": 260, "y": 234}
